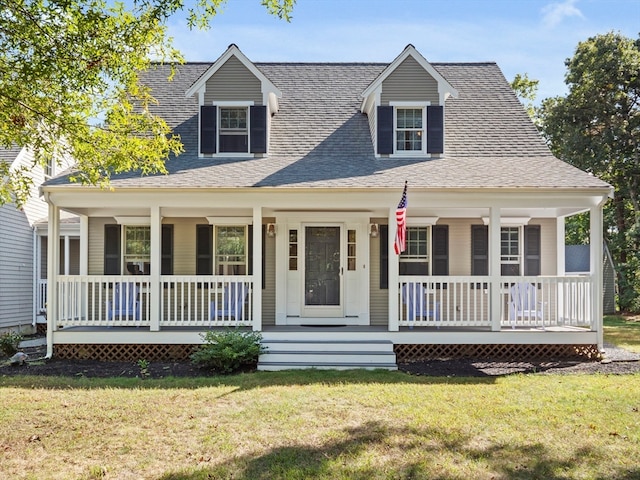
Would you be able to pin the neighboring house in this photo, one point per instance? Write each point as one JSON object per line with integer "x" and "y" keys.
{"x": 281, "y": 217}
{"x": 577, "y": 261}
{"x": 23, "y": 249}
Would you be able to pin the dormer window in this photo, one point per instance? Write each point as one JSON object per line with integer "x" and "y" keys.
{"x": 234, "y": 134}
{"x": 233, "y": 128}
{"x": 409, "y": 130}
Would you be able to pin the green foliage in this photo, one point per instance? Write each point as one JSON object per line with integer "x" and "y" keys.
{"x": 596, "y": 127}
{"x": 143, "y": 365}
{"x": 69, "y": 87}
{"x": 228, "y": 350}
{"x": 526, "y": 89}
{"x": 9, "y": 343}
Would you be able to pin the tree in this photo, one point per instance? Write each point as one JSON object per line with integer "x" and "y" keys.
{"x": 69, "y": 83}
{"x": 596, "y": 127}
{"x": 526, "y": 89}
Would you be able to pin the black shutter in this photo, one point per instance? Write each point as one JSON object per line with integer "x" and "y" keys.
{"x": 479, "y": 250}
{"x": 440, "y": 249}
{"x": 385, "y": 130}
{"x": 435, "y": 129}
{"x": 204, "y": 249}
{"x": 384, "y": 256}
{"x": 112, "y": 249}
{"x": 532, "y": 250}
{"x": 208, "y": 120}
{"x": 167, "y": 250}
{"x": 258, "y": 125}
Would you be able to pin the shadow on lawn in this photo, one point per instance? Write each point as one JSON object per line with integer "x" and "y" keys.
{"x": 377, "y": 450}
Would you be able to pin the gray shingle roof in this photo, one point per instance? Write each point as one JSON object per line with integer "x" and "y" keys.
{"x": 9, "y": 154}
{"x": 319, "y": 138}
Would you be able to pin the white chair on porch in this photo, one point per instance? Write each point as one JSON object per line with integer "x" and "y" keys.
{"x": 524, "y": 305}
{"x": 232, "y": 305}
{"x": 416, "y": 303}
{"x": 124, "y": 303}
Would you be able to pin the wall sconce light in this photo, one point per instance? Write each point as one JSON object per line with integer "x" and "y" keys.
{"x": 374, "y": 230}
{"x": 271, "y": 230}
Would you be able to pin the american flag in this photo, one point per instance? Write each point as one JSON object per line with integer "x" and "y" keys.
{"x": 401, "y": 221}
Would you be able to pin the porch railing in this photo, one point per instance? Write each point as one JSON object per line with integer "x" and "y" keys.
{"x": 41, "y": 296}
{"x": 125, "y": 301}
{"x": 207, "y": 301}
{"x": 532, "y": 302}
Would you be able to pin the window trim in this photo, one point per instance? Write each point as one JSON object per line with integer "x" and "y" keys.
{"x": 232, "y": 104}
{"x": 246, "y": 255}
{"x": 405, "y": 105}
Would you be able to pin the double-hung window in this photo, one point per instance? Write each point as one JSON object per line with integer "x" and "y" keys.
{"x": 415, "y": 259}
{"x": 510, "y": 253}
{"x": 231, "y": 250}
{"x": 222, "y": 250}
{"x": 137, "y": 249}
{"x": 409, "y": 128}
{"x": 234, "y": 131}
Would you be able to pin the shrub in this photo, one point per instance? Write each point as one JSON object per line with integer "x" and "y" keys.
{"x": 227, "y": 351}
{"x": 9, "y": 343}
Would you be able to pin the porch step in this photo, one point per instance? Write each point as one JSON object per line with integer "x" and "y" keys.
{"x": 327, "y": 354}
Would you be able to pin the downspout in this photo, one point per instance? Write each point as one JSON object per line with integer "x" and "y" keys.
{"x": 53, "y": 232}
{"x": 35, "y": 276}
{"x": 598, "y": 282}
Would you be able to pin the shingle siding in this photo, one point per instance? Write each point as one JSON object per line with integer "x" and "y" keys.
{"x": 409, "y": 82}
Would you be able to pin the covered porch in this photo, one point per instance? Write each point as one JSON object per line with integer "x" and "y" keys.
{"x": 270, "y": 291}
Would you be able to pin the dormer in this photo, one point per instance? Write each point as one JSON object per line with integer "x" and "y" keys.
{"x": 405, "y": 106}
{"x": 236, "y": 102}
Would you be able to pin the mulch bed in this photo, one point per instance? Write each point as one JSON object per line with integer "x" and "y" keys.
{"x": 617, "y": 362}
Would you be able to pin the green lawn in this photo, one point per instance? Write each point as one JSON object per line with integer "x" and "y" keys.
{"x": 327, "y": 425}
{"x": 624, "y": 332}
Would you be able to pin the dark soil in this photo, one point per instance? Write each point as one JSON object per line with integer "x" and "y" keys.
{"x": 616, "y": 361}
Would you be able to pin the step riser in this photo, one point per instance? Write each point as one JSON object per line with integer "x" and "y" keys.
{"x": 327, "y": 354}
{"x": 276, "y": 368}
{"x": 327, "y": 357}
{"x": 328, "y": 346}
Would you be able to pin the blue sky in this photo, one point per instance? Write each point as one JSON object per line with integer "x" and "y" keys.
{"x": 522, "y": 36}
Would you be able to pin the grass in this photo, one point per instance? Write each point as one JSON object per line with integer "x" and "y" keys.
{"x": 325, "y": 425}
{"x": 319, "y": 424}
{"x": 623, "y": 332}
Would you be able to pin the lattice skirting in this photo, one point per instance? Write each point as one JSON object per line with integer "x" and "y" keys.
{"x": 123, "y": 352}
{"x": 411, "y": 353}
{"x": 41, "y": 328}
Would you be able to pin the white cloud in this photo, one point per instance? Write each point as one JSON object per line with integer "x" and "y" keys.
{"x": 555, "y": 13}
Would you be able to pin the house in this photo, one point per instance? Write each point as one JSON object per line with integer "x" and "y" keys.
{"x": 280, "y": 217}
{"x": 23, "y": 248}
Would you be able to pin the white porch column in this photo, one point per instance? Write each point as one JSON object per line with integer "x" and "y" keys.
{"x": 560, "y": 247}
{"x": 494, "y": 268}
{"x": 595, "y": 261}
{"x": 53, "y": 263}
{"x": 155, "y": 294}
{"x": 67, "y": 251}
{"x": 84, "y": 245}
{"x": 257, "y": 268}
{"x": 394, "y": 274}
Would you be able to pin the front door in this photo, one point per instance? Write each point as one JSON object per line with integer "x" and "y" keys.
{"x": 323, "y": 271}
